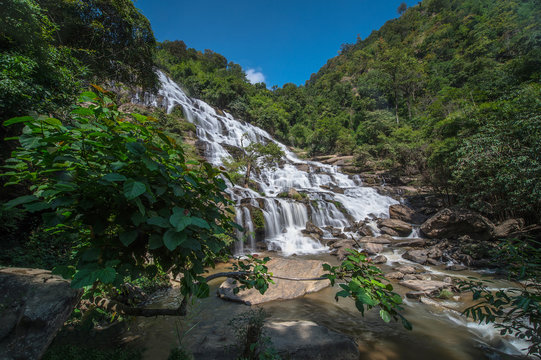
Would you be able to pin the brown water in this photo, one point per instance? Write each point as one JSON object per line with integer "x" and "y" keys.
{"x": 437, "y": 333}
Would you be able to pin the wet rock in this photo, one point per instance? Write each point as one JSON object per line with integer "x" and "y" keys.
{"x": 434, "y": 253}
{"x": 341, "y": 243}
{"x": 415, "y": 294}
{"x": 399, "y": 226}
{"x": 410, "y": 243}
{"x": 365, "y": 230}
{"x": 405, "y": 213}
{"x": 33, "y": 306}
{"x": 424, "y": 285}
{"x": 418, "y": 256}
{"x": 389, "y": 231}
{"x": 338, "y": 233}
{"x": 448, "y": 280}
{"x": 456, "y": 267}
{"x": 375, "y": 240}
{"x": 282, "y": 289}
{"x": 394, "y": 275}
{"x": 261, "y": 246}
{"x": 452, "y": 223}
{"x": 379, "y": 259}
{"x": 410, "y": 277}
{"x": 508, "y": 228}
{"x": 373, "y": 249}
{"x": 433, "y": 262}
{"x": 312, "y": 229}
{"x": 307, "y": 340}
{"x": 406, "y": 269}
{"x": 423, "y": 277}
{"x": 331, "y": 242}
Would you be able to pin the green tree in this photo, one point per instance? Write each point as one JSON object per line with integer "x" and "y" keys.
{"x": 121, "y": 190}
{"x": 255, "y": 156}
{"x": 111, "y": 37}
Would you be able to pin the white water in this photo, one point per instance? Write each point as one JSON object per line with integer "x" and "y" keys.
{"x": 284, "y": 218}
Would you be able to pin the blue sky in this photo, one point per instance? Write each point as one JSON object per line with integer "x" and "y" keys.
{"x": 276, "y": 41}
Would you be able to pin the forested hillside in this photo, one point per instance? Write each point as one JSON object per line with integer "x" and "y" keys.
{"x": 115, "y": 194}
{"x": 448, "y": 91}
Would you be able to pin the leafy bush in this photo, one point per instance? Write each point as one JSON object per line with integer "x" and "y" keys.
{"x": 122, "y": 188}
{"x": 515, "y": 311}
{"x": 364, "y": 283}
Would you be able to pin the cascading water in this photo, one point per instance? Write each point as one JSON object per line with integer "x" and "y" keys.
{"x": 284, "y": 218}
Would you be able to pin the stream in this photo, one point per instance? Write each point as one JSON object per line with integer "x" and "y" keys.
{"x": 331, "y": 199}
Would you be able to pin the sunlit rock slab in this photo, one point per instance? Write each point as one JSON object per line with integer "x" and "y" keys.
{"x": 282, "y": 289}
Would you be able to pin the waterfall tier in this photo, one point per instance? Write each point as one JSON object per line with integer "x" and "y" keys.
{"x": 284, "y": 218}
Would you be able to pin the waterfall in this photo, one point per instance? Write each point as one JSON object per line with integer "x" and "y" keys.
{"x": 284, "y": 218}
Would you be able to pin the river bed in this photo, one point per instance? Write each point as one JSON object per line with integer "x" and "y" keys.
{"x": 437, "y": 333}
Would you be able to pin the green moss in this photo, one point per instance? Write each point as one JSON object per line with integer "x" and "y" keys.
{"x": 445, "y": 294}
{"x": 257, "y": 218}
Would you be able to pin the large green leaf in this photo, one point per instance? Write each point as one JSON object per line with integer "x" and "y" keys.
{"x": 158, "y": 221}
{"x": 136, "y": 148}
{"x": 197, "y": 221}
{"x": 192, "y": 244}
{"x": 17, "y": 120}
{"x": 83, "y": 277}
{"x": 128, "y": 237}
{"x": 106, "y": 275}
{"x": 385, "y": 315}
{"x": 133, "y": 189}
{"x": 20, "y": 200}
{"x": 114, "y": 177}
{"x": 179, "y": 221}
{"x": 173, "y": 239}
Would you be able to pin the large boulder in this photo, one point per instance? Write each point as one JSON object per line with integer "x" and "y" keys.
{"x": 410, "y": 243}
{"x": 401, "y": 227}
{"x": 388, "y": 231}
{"x": 310, "y": 341}
{"x": 452, "y": 223}
{"x": 33, "y": 306}
{"x": 426, "y": 286}
{"x": 418, "y": 256}
{"x": 376, "y": 240}
{"x": 407, "y": 214}
{"x": 373, "y": 249}
{"x": 282, "y": 289}
{"x": 508, "y": 227}
{"x": 292, "y": 339}
{"x": 312, "y": 229}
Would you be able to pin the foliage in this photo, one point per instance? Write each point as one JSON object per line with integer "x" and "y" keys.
{"x": 515, "y": 311}
{"x": 122, "y": 188}
{"x": 260, "y": 277}
{"x": 34, "y": 74}
{"x": 254, "y": 157}
{"x": 252, "y": 342}
{"x": 504, "y": 157}
{"x": 364, "y": 283}
{"x": 111, "y": 37}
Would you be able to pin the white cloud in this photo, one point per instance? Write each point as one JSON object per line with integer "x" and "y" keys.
{"x": 254, "y": 76}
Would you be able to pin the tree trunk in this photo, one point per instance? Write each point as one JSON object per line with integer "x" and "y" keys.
{"x": 396, "y": 110}
{"x": 247, "y": 176}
